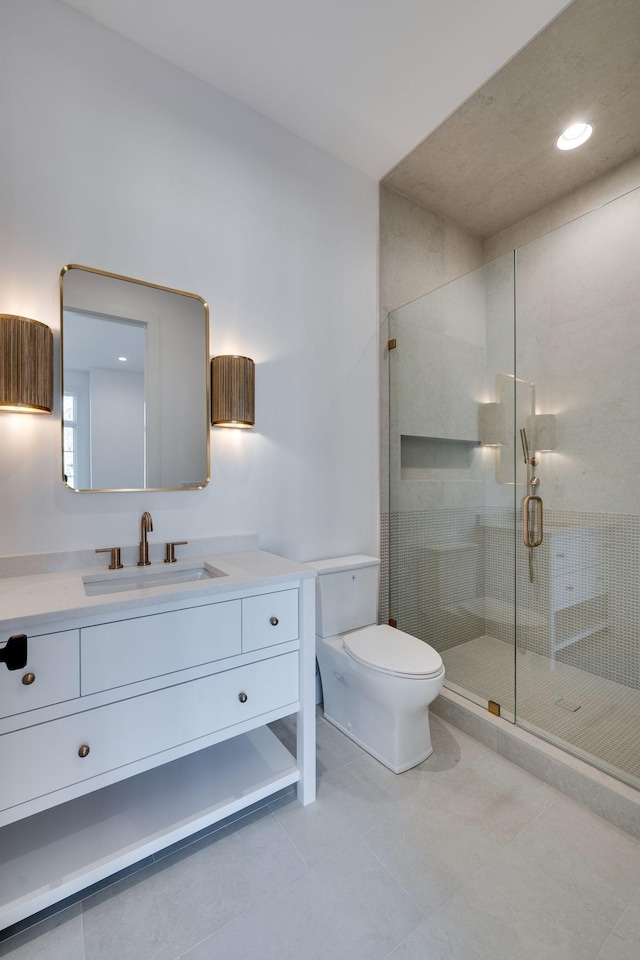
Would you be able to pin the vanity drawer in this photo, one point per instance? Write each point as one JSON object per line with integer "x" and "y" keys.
{"x": 269, "y": 619}
{"x": 571, "y": 550}
{"x": 582, "y": 584}
{"x": 52, "y": 660}
{"x": 114, "y": 654}
{"x": 38, "y": 760}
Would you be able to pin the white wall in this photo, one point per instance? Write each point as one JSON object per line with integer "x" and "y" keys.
{"x": 114, "y": 159}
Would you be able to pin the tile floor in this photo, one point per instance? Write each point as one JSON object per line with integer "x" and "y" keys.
{"x": 466, "y": 857}
{"x": 606, "y": 725}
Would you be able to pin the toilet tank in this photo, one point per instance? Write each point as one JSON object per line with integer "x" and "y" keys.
{"x": 346, "y": 593}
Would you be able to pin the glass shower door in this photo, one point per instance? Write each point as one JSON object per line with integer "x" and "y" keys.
{"x": 577, "y": 599}
{"x": 514, "y": 458}
{"x": 452, "y": 481}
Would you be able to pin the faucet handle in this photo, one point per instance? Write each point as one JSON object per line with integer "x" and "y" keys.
{"x": 115, "y": 557}
{"x": 170, "y": 556}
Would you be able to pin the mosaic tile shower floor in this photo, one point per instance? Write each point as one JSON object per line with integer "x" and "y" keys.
{"x": 605, "y": 725}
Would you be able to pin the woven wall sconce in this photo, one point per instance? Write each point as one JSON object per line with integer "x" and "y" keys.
{"x": 232, "y": 392}
{"x": 26, "y": 365}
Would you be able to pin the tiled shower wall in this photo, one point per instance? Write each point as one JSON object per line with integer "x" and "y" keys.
{"x": 437, "y": 575}
{"x": 419, "y": 251}
{"x": 453, "y": 578}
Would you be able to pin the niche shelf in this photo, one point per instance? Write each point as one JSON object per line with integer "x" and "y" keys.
{"x": 436, "y": 458}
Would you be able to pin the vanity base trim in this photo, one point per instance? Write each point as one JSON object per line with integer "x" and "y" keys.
{"x": 54, "y": 854}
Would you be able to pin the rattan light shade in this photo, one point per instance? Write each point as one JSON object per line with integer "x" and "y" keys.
{"x": 26, "y": 365}
{"x": 232, "y": 392}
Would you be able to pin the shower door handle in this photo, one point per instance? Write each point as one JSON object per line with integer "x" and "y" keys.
{"x": 527, "y": 531}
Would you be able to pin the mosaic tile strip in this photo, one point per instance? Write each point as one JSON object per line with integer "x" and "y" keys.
{"x": 456, "y": 574}
{"x": 436, "y": 574}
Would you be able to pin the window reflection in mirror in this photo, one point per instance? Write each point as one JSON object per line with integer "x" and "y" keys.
{"x": 134, "y": 384}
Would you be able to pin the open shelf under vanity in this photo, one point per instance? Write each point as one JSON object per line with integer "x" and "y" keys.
{"x": 56, "y": 853}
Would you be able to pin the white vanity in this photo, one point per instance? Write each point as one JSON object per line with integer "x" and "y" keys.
{"x": 140, "y": 716}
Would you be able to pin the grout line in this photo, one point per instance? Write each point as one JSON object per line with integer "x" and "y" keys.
{"x": 632, "y": 903}
{"x": 395, "y": 880}
{"x": 404, "y": 940}
{"x": 247, "y": 908}
{"x": 290, "y": 840}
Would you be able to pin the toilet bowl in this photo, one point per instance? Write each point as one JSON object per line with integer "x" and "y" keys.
{"x": 377, "y": 681}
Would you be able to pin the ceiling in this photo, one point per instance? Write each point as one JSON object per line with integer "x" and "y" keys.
{"x": 494, "y": 161}
{"x": 365, "y": 80}
{"x": 97, "y": 340}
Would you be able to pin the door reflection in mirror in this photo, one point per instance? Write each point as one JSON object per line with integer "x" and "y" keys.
{"x": 105, "y": 374}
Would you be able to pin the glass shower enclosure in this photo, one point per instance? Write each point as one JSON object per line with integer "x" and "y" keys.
{"x": 514, "y": 457}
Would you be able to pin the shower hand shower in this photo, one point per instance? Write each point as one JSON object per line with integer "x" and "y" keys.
{"x": 525, "y": 449}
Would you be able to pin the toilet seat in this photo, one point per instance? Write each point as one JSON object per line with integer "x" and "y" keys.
{"x": 392, "y": 651}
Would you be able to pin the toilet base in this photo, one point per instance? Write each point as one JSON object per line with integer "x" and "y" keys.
{"x": 365, "y": 746}
{"x": 385, "y": 714}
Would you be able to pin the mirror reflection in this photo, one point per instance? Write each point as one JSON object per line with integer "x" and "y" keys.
{"x": 134, "y": 384}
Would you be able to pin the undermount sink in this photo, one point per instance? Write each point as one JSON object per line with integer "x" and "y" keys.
{"x": 144, "y": 578}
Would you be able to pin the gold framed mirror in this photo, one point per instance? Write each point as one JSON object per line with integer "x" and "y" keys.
{"x": 134, "y": 384}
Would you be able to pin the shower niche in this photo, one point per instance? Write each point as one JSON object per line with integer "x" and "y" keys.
{"x": 436, "y": 458}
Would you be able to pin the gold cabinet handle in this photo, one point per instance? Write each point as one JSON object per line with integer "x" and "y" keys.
{"x": 84, "y": 751}
{"x": 28, "y": 679}
{"x": 242, "y": 697}
{"x": 274, "y": 621}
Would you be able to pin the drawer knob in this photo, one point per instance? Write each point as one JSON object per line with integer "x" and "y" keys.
{"x": 28, "y": 679}
{"x": 273, "y": 621}
{"x": 83, "y": 751}
{"x": 242, "y": 697}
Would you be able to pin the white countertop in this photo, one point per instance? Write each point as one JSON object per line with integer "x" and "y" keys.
{"x": 26, "y": 601}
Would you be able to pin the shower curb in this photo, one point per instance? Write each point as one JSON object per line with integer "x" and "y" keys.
{"x": 609, "y": 798}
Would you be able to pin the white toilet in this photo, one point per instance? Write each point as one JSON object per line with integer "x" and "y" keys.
{"x": 377, "y": 681}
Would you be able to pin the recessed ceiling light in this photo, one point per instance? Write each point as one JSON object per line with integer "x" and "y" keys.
{"x": 123, "y": 359}
{"x": 574, "y": 136}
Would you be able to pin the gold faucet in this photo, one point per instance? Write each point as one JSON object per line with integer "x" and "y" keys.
{"x": 146, "y": 526}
